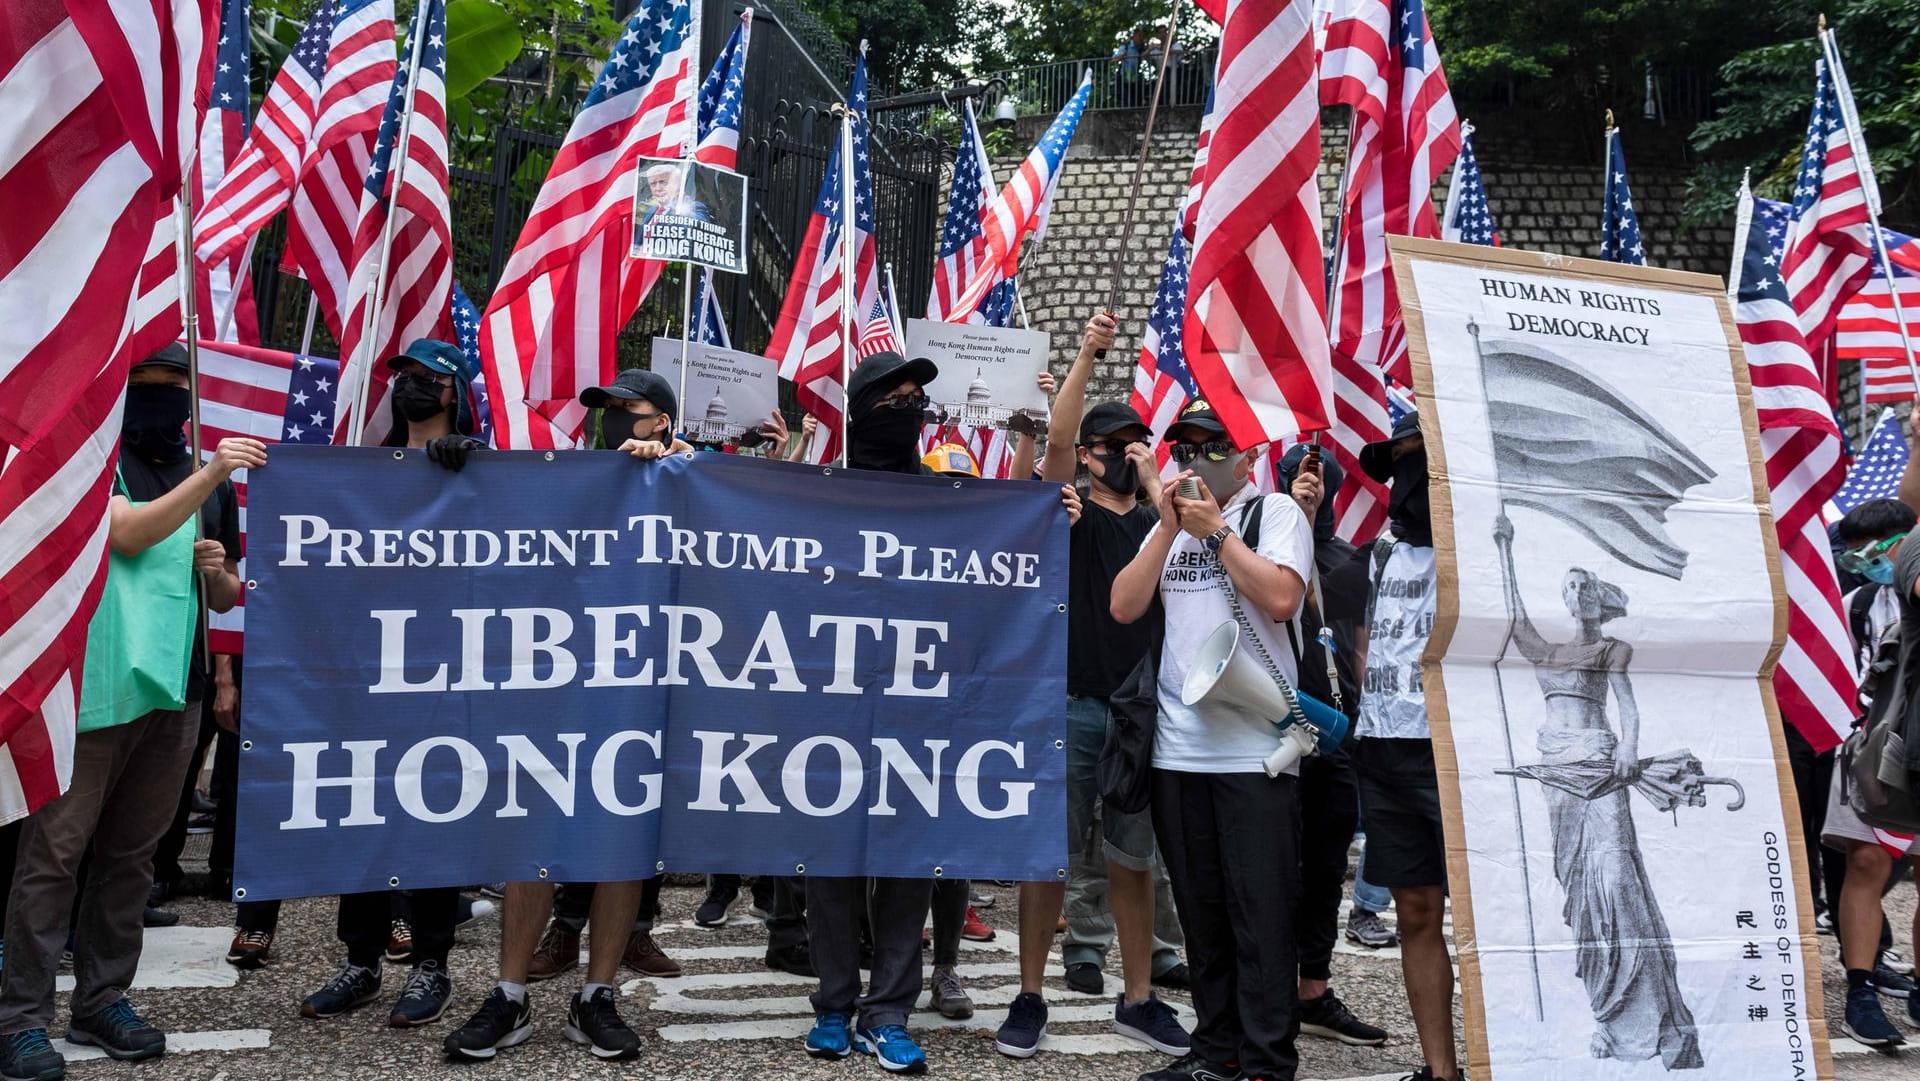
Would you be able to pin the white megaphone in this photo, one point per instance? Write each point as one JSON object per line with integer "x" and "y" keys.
{"x": 1222, "y": 672}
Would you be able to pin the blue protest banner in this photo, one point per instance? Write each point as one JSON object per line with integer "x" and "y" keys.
{"x": 579, "y": 667}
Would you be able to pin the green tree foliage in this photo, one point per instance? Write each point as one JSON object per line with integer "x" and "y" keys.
{"x": 913, "y": 44}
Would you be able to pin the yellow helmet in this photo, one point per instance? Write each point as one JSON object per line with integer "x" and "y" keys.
{"x": 951, "y": 460}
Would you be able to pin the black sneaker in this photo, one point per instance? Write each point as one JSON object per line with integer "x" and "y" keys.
{"x": 1177, "y": 978}
{"x": 797, "y": 960}
{"x": 1026, "y": 1025}
{"x": 158, "y": 917}
{"x": 29, "y": 1056}
{"x": 1191, "y": 1067}
{"x": 1425, "y": 1073}
{"x": 1890, "y": 981}
{"x": 120, "y": 1032}
{"x": 1152, "y": 1022}
{"x": 424, "y": 998}
{"x": 594, "y": 1022}
{"x": 1085, "y": 977}
{"x": 350, "y": 988}
{"x": 1329, "y": 1018}
{"x": 499, "y": 1022}
{"x": 1867, "y": 1023}
{"x": 713, "y": 911}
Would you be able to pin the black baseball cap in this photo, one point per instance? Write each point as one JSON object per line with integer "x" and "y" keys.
{"x": 1197, "y": 414}
{"x": 171, "y": 355}
{"x": 1108, "y": 418}
{"x": 1376, "y": 458}
{"x": 635, "y": 385}
{"x": 881, "y": 372}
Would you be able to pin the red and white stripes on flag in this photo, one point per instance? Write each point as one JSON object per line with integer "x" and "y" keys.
{"x": 1827, "y": 258}
{"x": 324, "y": 210}
{"x": 1815, "y": 682}
{"x": 96, "y": 113}
{"x": 223, "y": 291}
{"x": 1255, "y": 334}
{"x": 549, "y": 329}
{"x": 1868, "y": 328}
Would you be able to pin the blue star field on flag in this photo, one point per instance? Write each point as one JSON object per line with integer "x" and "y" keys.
{"x": 433, "y": 56}
{"x": 311, "y": 393}
{"x": 1824, "y": 120}
{"x": 1469, "y": 210}
{"x": 1760, "y": 277}
{"x": 1165, "y": 321}
{"x": 310, "y": 51}
{"x": 828, "y": 203}
{"x": 466, "y": 333}
{"x": 230, "y": 61}
{"x": 721, "y": 93}
{"x": 1876, "y": 473}
{"x": 1619, "y": 225}
{"x": 657, "y": 28}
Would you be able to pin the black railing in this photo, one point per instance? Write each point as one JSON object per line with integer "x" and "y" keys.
{"x": 1119, "y": 82}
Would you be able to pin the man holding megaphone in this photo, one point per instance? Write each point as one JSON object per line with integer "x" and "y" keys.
{"x": 1230, "y": 568}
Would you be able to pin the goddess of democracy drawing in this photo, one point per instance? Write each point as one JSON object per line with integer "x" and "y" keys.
{"x": 1569, "y": 446}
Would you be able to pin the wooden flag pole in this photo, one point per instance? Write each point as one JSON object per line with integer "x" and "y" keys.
{"x": 1140, "y": 164}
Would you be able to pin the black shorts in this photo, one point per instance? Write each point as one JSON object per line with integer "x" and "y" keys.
{"x": 1400, "y": 810}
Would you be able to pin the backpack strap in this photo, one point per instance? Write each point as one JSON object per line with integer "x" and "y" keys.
{"x": 1250, "y": 517}
{"x": 1859, "y": 615}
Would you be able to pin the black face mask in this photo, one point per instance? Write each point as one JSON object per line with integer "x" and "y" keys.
{"x": 1407, "y": 507}
{"x": 417, "y": 399}
{"x": 885, "y": 438}
{"x": 1120, "y": 473}
{"x": 617, "y": 426}
{"x": 155, "y": 421}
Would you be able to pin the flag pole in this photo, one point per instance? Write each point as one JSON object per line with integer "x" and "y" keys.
{"x": 848, "y": 248}
{"x": 688, "y": 147}
{"x": 1830, "y": 47}
{"x": 363, "y": 371}
{"x": 1606, "y": 180}
{"x": 1140, "y": 163}
{"x": 306, "y": 335}
{"x": 183, "y": 263}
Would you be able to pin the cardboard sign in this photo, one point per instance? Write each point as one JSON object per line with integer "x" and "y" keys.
{"x": 987, "y": 374}
{"x": 727, "y": 391}
{"x": 685, "y": 212}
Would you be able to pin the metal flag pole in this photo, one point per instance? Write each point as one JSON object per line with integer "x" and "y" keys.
{"x": 363, "y": 368}
{"x": 306, "y": 335}
{"x": 1140, "y": 163}
{"x": 893, "y": 309}
{"x": 1830, "y": 48}
{"x": 848, "y": 248}
{"x": 687, "y": 148}
{"x": 183, "y": 268}
{"x": 1606, "y": 179}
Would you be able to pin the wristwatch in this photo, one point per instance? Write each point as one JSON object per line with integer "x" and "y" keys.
{"x": 1215, "y": 539}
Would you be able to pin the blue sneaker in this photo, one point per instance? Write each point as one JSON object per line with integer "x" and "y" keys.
{"x": 1026, "y": 1025}
{"x": 892, "y": 1048}
{"x": 29, "y": 1056}
{"x": 1866, "y": 1022}
{"x": 1153, "y": 1023}
{"x": 831, "y": 1036}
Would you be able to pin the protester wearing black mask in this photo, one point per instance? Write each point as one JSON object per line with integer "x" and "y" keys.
{"x": 638, "y": 411}
{"x": 1399, "y": 789}
{"x": 168, "y": 523}
{"x": 1120, "y": 869}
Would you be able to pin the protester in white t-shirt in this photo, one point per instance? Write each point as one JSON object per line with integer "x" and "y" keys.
{"x": 1225, "y": 828}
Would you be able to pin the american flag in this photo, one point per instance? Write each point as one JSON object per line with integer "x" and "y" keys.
{"x": 550, "y": 326}
{"x": 260, "y": 177}
{"x": 1815, "y": 681}
{"x": 1255, "y": 330}
{"x": 267, "y": 395}
{"x": 1867, "y": 329}
{"x": 1826, "y": 257}
{"x": 807, "y": 338}
{"x": 720, "y": 98}
{"x": 224, "y": 291}
{"x": 1162, "y": 385}
{"x": 1196, "y": 179}
{"x": 961, "y": 248}
{"x": 1020, "y": 209}
{"x": 98, "y": 99}
{"x": 1875, "y": 474}
{"x": 465, "y": 318}
{"x": 413, "y": 280}
{"x": 1468, "y": 219}
{"x": 1619, "y": 225}
{"x": 324, "y": 208}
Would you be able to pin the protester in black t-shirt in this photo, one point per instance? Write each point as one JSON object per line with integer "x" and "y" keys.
{"x": 1111, "y": 445}
{"x": 126, "y": 776}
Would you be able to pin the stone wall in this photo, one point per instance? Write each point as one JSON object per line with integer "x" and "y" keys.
{"x": 1544, "y": 190}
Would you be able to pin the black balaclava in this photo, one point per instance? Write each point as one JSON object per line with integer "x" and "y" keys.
{"x": 154, "y": 424}
{"x": 1407, "y": 508}
{"x": 1331, "y": 477}
{"x": 881, "y": 437}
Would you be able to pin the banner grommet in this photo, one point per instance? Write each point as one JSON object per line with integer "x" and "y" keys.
{"x": 246, "y": 745}
{"x": 1060, "y": 608}
{"x": 393, "y": 882}
{"x": 939, "y": 871}
{"x": 253, "y": 583}
{"x": 827, "y": 472}
{"x": 399, "y": 455}
{"x": 239, "y": 893}
{"x": 956, "y": 484}
{"x": 799, "y": 868}
{"x": 1059, "y": 744}
{"x": 543, "y": 873}
{"x": 548, "y": 456}
{"x": 1059, "y": 872}
{"x": 660, "y": 865}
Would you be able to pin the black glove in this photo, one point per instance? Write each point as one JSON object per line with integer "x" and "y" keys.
{"x": 451, "y": 451}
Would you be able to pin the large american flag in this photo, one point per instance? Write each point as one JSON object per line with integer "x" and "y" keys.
{"x": 224, "y": 291}
{"x": 1868, "y": 330}
{"x": 1197, "y": 177}
{"x": 1875, "y": 474}
{"x": 1826, "y": 257}
{"x": 1255, "y": 329}
{"x": 97, "y": 110}
{"x": 1805, "y": 461}
{"x": 807, "y": 340}
{"x": 1619, "y": 223}
{"x": 550, "y": 326}
{"x": 718, "y": 124}
{"x": 1468, "y": 218}
{"x": 267, "y": 395}
{"x": 324, "y": 207}
{"x": 413, "y": 279}
{"x": 961, "y": 247}
{"x": 1162, "y": 385}
{"x": 1019, "y": 210}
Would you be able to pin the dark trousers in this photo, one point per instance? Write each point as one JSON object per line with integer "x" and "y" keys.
{"x": 787, "y": 916}
{"x": 125, "y": 781}
{"x": 897, "y": 908}
{"x": 166, "y": 858}
{"x": 1812, "y": 777}
{"x": 573, "y": 903}
{"x": 1231, "y": 844}
{"x": 366, "y": 919}
{"x": 1329, "y": 811}
{"x": 949, "y": 916}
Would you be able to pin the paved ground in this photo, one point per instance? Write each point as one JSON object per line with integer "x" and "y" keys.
{"x": 728, "y": 1017}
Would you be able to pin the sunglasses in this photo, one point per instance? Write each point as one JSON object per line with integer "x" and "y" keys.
{"x": 1106, "y": 446}
{"x": 1216, "y": 450}
{"x": 904, "y": 401}
{"x": 1856, "y": 560}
